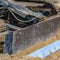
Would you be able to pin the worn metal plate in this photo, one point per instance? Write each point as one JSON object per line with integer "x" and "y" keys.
{"x": 8, "y": 43}
{"x": 46, "y": 51}
{"x": 26, "y": 37}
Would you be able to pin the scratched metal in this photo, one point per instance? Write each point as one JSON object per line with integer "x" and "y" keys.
{"x": 27, "y": 37}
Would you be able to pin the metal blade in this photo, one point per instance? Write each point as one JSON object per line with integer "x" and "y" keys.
{"x": 37, "y": 32}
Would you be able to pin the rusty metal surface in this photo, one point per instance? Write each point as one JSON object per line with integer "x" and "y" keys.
{"x": 29, "y": 36}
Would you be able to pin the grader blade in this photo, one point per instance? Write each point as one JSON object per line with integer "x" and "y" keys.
{"x": 29, "y": 36}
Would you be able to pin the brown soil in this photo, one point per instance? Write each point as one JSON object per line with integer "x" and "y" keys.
{"x": 2, "y": 26}
{"x": 55, "y": 56}
{"x": 2, "y": 34}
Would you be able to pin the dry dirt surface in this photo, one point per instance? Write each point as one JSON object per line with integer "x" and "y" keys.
{"x": 55, "y": 56}
{"x": 2, "y": 26}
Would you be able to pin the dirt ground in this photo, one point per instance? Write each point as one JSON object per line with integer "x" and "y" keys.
{"x": 55, "y": 56}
